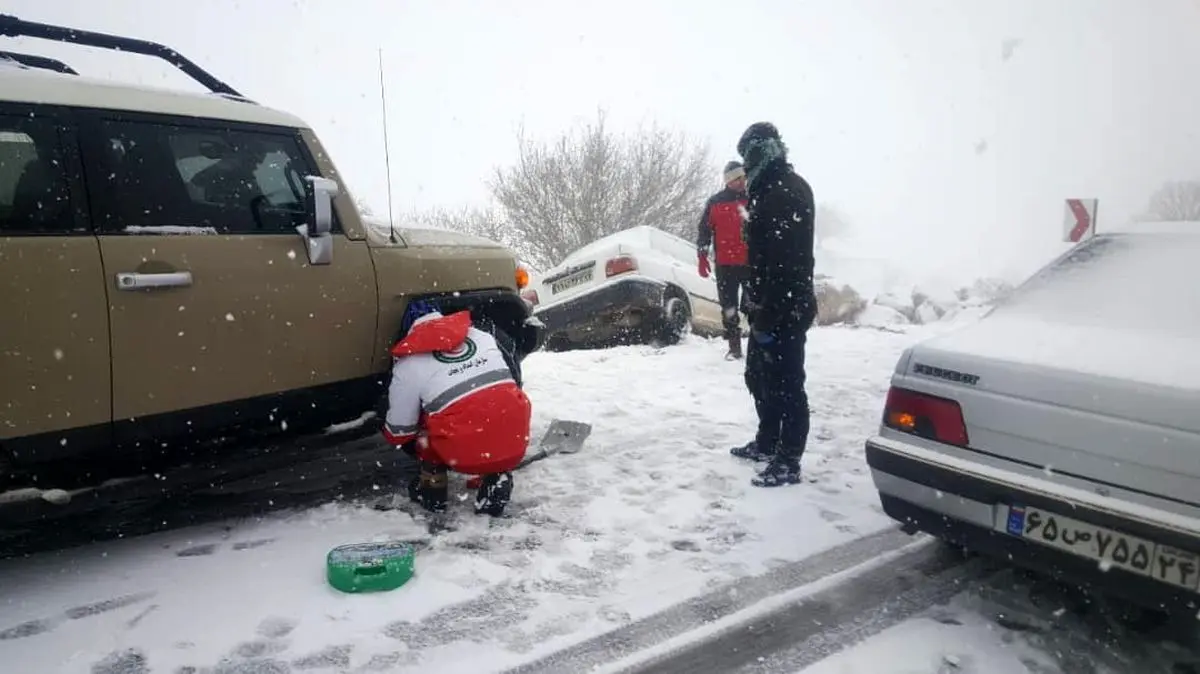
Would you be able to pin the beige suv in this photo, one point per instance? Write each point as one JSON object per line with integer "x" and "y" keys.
{"x": 179, "y": 269}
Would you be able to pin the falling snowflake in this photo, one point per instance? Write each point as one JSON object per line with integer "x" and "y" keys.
{"x": 58, "y": 354}
{"x": 229, "y": 317}
{"x": 291, "y": 255}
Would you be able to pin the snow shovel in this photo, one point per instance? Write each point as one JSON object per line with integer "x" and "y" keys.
{"x": 563, "y": 437}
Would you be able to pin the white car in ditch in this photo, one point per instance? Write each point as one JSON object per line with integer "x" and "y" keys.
{"x": 638, "y": 285}
{"x": 1062, "y": 430}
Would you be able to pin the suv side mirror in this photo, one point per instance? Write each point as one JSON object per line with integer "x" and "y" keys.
{"x": 316, "y": 232}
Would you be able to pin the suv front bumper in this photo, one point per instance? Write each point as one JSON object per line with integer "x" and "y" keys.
{"x": 984, "y": 509}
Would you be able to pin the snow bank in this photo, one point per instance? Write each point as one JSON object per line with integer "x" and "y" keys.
{"x": 836, "y": 303}
{"x": 841, "y": 303}
{"x": 867, "y": 288}
{"x": 880, "y": 316}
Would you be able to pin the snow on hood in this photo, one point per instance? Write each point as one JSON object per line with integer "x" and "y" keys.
{"x": 378, "y": 231}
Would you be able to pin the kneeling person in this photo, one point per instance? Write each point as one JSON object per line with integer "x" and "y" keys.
{"x": 455, "y": 403}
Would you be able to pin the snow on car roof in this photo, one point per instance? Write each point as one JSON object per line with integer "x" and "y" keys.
{"x": 1119, "y": 305}
{"x": 21, "y": 85}
{"x": 637, "y": 237}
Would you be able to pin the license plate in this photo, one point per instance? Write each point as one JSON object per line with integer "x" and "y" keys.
{"x": 1163, "y": 563}
{"x": 576, "y": 279}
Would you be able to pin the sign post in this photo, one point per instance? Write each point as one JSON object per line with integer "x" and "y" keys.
{"x": 1080, "y": 220}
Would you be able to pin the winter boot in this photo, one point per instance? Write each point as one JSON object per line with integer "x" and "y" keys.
{"x": 735, "y": 348}
{"x": 750, "y": 451}
{"x": 777, "y": 473}
{"x": 494, "y": 493}
{"x": 430, "y": 489}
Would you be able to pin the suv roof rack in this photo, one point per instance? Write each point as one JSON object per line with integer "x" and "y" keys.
{"x": 41, "y": 62}
{"x": 11, "y": 26}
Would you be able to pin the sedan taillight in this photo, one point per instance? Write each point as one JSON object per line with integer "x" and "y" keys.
{"x": 621, "y": 264}
{"x": 926, "y": 416}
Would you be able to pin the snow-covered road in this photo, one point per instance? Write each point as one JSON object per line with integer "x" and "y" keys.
{"x": 1011, "y": 623}
{"x": 653, "y": 511}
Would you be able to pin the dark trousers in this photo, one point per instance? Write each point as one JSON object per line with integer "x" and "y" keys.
{"x": 731, "y": 278}
{"x": 775, "y": 377}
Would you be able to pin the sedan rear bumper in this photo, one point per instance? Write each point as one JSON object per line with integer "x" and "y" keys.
{"x": 1096, "y": 541}
{"x": 607, "y": 312}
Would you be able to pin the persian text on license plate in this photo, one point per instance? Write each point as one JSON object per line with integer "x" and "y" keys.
{"x": 1138, "y": 555}
{"x": 576, "y": 279}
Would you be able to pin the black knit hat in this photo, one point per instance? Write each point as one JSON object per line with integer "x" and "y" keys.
{"x": 756, "y": 131}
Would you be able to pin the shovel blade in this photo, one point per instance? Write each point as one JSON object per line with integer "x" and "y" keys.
{"x": 565, "y": 437}
{"x": 562, "y": 437}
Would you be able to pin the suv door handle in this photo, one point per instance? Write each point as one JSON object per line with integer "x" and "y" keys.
{"x": 137, "y": 281}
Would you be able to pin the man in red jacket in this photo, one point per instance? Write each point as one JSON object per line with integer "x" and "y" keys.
{"x": 455, "y": 404}
{"x": 721, "y": 227}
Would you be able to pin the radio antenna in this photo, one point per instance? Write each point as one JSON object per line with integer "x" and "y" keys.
{"x": 387, "y": 158}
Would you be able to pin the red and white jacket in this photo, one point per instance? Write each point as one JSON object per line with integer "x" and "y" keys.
{"x": 452, "y": 391}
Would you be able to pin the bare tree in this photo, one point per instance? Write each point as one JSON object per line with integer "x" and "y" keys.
{"x": 1176, "y": 201}
{"x": 592, "y": 182}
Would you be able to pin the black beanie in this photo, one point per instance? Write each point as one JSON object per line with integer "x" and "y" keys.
{"x": 756, "y": 131}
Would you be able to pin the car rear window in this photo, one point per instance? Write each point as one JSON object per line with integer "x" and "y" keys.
{"x": 1128, "y": 281}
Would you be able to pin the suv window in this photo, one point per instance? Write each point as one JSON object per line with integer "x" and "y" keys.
{"x": 235, "y": 182}
{"x": 34, "y": 190}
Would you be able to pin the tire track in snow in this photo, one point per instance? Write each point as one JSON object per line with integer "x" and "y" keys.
{"x": 803, "y": 633}
{"x": 693, "y": 614}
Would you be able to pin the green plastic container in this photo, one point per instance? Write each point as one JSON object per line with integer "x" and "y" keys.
{"x": 370, "y": 567}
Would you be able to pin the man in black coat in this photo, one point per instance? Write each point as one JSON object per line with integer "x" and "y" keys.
{"x": 779, "y": 236}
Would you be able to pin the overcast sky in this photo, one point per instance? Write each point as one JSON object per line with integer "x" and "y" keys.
{"x": 904, "y": 114}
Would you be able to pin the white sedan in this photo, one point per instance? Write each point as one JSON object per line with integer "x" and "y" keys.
{"x": 636, "y": 286}
{"x": 1062, "y": 430}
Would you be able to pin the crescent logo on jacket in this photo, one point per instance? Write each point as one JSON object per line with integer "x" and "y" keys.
{"x": 451, "y": 385}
